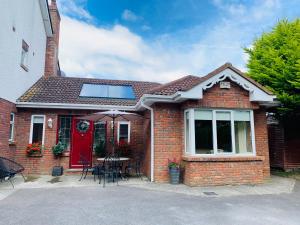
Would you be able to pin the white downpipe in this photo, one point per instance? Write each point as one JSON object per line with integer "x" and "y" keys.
{"x": 152, "y": 141}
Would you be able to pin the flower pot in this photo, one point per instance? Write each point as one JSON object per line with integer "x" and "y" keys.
{"x": 57, "y": 171}
{"x": 174, "y": 174}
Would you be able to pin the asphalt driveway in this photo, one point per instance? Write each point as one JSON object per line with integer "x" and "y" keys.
{"x": 129, "y": 205}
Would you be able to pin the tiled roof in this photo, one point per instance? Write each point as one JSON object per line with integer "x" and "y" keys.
{"x": 67, "y": 90}
{"x": 190, "y": 81}
{"x": 182, "y": 84}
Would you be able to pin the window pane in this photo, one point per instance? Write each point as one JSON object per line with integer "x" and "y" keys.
{"x": 203, "y": 137}
{"x": 224, "y": 141}
{"x": 241, "y": 116}
{"x": 243, "y": 137}
{"x": 99, "y": 133}
{"x": 187, "y": 133}
{"x": 11, "y": 132}
{"x": 37, "y": 133}
{"x": 38, "y": 119}
{"x": 12, "y": 117}
{"x": 203, "y": 115}
{"x": 224, "y": 116}
{"x": 123, "y": 132}
{"x": 64, "y": 133}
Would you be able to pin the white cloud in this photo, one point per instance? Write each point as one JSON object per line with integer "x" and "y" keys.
{"x": 74, "y": 8}
{"x": 129, "y": 16}
{"x": 116, "y": 52}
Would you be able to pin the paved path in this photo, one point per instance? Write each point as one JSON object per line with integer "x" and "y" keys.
{"x": 131, "y": 205}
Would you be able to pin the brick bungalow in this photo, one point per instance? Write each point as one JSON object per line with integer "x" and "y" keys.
{"x": 216, "y": 124}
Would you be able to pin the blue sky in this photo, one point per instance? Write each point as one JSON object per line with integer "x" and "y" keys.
{"x": 161, "y": 40}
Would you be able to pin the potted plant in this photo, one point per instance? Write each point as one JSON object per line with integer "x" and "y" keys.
{"x": 58, "y": 149}
{"x": 123, "y": 148}
{"x": 174, "y": 171}
{"x": 100, "y": 149}
{"x": 34, "y": 150}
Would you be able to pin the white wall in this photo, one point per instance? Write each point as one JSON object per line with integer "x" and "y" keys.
{"x": 26, "y": 17}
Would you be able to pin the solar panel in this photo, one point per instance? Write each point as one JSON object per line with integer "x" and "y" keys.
{"x": 107, "y": 91}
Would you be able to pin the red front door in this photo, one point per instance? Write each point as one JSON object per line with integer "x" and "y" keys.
{"x": 82, "y": 141}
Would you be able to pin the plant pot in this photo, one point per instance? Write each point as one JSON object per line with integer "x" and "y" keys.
{"x": 57, "y": 171}
{"x": 35, "y": 155}
{"x": 174, "y": 174}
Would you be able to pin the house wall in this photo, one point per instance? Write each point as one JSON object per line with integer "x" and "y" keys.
{"x": 6, "y": 108}
{"x": 44, "y": 164}
{"x": 169, "y": 142}
{"x": 20, "y": 20}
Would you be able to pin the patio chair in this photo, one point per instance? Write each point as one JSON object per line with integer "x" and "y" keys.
{"x": 9, "y": 168}
{"x": 134, "y": 165}
{"x": 109, "y": 170}
{"x": 86, "y": 166}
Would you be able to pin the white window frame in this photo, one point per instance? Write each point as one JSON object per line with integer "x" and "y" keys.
{"x": 31, "y": 128}
{"x": 118, "y": 134}
{"x": 24, "y": 56}
{"x": 192, "y": 150}
{"x": 12, "y": 123}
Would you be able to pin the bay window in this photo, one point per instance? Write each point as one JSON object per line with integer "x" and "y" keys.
{"x": 219, "y": 132}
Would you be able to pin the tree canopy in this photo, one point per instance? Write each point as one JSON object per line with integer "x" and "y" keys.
{"x": 274, "y": 61}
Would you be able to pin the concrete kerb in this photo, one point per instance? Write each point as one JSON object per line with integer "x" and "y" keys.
{"x": 275, "y": 185}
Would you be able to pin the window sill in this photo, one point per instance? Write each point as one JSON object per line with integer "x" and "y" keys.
{"x": 24, "y": 67}
{"x": 222, "y": 158}
{"x": 12, "y": 143}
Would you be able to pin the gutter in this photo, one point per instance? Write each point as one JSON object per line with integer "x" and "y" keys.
{"x": 42, "y": 105}
{"x": 152, "y": 141}
{"x": 44, "y": 7}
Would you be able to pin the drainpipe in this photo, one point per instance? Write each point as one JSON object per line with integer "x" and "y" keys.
{"x": 152, "y": 141}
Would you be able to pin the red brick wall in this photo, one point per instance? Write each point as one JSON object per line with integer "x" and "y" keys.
{"x": 43, "y": 165}
{"x": 222, "y": 171}
{"x": 51, "y": 60}
{"x": 6, "y": 149}
{"x": 169, "y": 140}
{"x": 261, "y": 139}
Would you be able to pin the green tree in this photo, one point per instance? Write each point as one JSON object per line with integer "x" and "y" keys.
{"x": 275, "y": 63}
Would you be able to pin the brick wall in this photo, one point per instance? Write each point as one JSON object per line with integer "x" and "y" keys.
{"x": 222, "y": 171}
{"x": 43, "y": 165}
{"x": 6, "y": 149}
{"x": 169, "y": 141}
{"x": 51, "y": 59}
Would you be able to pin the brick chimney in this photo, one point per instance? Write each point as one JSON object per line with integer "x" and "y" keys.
{"x": 51, "y": 59}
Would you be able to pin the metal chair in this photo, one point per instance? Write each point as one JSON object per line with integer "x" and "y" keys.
{"x": 86, "y": 165}
{"x": 134, "y": 165}
{"x": 9, "y": 168}
{"x": 109, "y": 170}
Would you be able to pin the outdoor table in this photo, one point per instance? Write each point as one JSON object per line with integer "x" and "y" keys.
{"x": 121, "y": 159}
